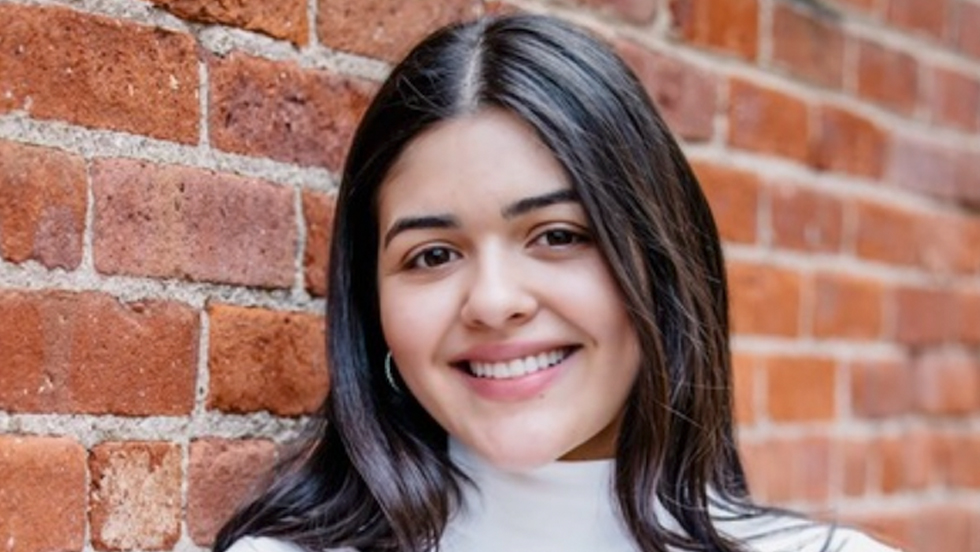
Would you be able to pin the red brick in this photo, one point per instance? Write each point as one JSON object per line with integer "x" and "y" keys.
{"x": 275, "y": 109}
{"x": 887, "y": 77}
{"x": 954, "y": 99}
{"x": 284, "y": 19}
{"x": 784, "y": 470}
{"x": 949, "y": 243}
{"x": 42, "y": 494}
{"x": 744, "y": 368}
{"x": 88, "y": 353}
{"x": 764, "y": 300}
{"x": 925, "y": 317}
{"x": 800, "y": 389}
{"x": 881, "y": 389}
{"x": 884, "y": 233}
{"x": 56, "y": 63}
{"x": 855, "y": 472}
{"x": 865, "y": 6}
{"x": 923, "y": 17}
{"x": 180, "y": 222}
{"x": 847, "y": 307}
{"x": 638, "y": 12}
{"x": 808, "y": 46}
{"x": 318, "y": 209}
{"x": 969, "y": 321}
{"x": 135, "y": 497}
{"x": 42, "y": 205}
{"x": 725, "y": 25}
{"x": 734, "y": 198}
{"x": 947, "y": 384}
{"x": 963, "y": 471}
{"x": 968, "y": 39}
{"x": 386, "y": 29}
{"x": 847, "y": 142}
{"x": 222, "y": 474}
{"x": 967, "y": 185}
{"x": 265, "y": 360}
{"x": 685, "y": 95}
{"x": 947, "y": 528}
{"x": 907, "y": 462}
{"x": 768, "y": 121}
{"x": 806, "y": 220}
{"x": 922, "y": 166}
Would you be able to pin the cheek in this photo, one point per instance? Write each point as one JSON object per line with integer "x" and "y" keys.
{"x": 411, "y": 321}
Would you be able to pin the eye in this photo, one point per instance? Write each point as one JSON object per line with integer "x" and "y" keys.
{"x": 432, "y": 257}
{"x": 561, "y": 237}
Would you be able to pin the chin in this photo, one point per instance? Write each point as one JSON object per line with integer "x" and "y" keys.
{"x": 516, "y": 459}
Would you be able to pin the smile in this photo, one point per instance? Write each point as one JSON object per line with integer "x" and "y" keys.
{"x": 519, "y": 367}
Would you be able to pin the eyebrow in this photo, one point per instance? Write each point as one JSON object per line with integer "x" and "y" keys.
{"x": 516, "y": 209}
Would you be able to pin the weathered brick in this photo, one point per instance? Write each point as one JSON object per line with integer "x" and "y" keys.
{"x": 222, "y": 474}
{"x": 767, "y": 120}
{"x": 854, "y": 473}
{"x": 88, "y": 353}
{"x": 42, "y": 205}
{"x": 764, "y": 300}
{"x": 135, "y": 496}
{"x": 744, "y": 369}
{"x": 638, "y": 12}
{"x": 923, "y": 17}
{"x": 800, "y": 389}
{"x": 281, "y": 19}
{"x": 847, "y": 142}
{"x": 947, "y": 384}
{"x": 275, "y": 109}
{"x": 884, "y": 233}
{"x": 42, "y": 494}
{"x": 386, "y": 29}
{"x": 954, "y": 99}
{"x": 946, "y": 527}
{"x": 318, "y": 209}
{"x": 967, "y": 176}
{"x": 887, "y": 77}
{"x": 56, "y": 63}
{"x": 963, "y": 470}
{"x": 968, "y": 39}
{"x": 685, "y": 95}
{"x": 969, "y": 321}
{"x": 923, "y": 166}
{"x": 723, "y": 25}
{"x": 805, "y": 220}
{"x": 847, "y": 307}
{"x": 734, "y": 198}
{"x": 794, "y": 469}
{"x": 949, "y": 243}
{"x": 180, "y": 222}
{"x": 907, "y": 462}
{"x": 881, "y": 389}
{"x": 265, "y": 360}
{"x": 925, "y": 316}
{"x": 808, "y": 45}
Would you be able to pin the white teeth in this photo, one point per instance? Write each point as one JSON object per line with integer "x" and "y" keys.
{"x": 519, "y": 366}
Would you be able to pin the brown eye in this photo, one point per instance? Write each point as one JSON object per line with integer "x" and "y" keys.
{"x": 433, "y": 257}
{"x": 560, "y": 237}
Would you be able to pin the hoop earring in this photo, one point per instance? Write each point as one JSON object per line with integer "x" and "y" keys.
{"x": 390, "y": 376}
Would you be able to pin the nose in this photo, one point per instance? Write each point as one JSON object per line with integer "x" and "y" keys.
{"x": 498, "y": 294}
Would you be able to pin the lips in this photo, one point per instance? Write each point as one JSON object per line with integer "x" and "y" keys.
{"x": 514, "y": 365}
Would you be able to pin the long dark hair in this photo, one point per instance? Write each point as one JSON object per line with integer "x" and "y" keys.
{"x": 376, "y": 473}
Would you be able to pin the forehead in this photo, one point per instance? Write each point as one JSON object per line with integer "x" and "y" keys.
{"x": 490, "y": 156}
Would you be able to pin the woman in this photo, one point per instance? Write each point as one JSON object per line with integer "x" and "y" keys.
{"x": 528, "y": 324}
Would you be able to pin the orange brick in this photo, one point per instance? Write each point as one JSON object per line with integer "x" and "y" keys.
{"x": 221, "y": 475}
{"x": 265, "y": 360}
{"x": 855, "y": 467}
{"x": 385, "y": 29}
{"x": 946, "y": 528}
{"x": 42, "y": 205}
{"x": 685, "y": 95}
{"x": 928, "y": 18}
{"x": 135, "y": 497}
{"x": 88, "y": 353}
{"x": 785, "y": 470}
{"x": 847, "y": 142}
{"x": 764, "y": 300}
{"x": 884, "y": 233}
{"x": 968, "y": 18}
{"x": 731, "y": 26}
{"x": 947, "y": 384}
{"x": 56, "y": 63}
{"x": 963, "y": 472}
{"x": 954, "y": 99}
{"x": 925, "y": 316}
{"x": 808, "y": 46}
{"x": 969, "y": 321}
{"x": 275, "y": 109}
{"x": 881, "y": 388}
{"x": 806, "y": 220}
{"x": 282, "y": 19}
{"x": 800, "y": 389}
{"x": 744, "y": 369}
{"x": 318, "y": 209}
{"x": 734, "y": 198}
{"x": 949, "y": 243}
{"x": 42, "y": 494}
{"x": 847, "y": 307}
{"x": 888, "y": 77}
{"x": 179, "y": 222}
{"x": 767, "y": 121}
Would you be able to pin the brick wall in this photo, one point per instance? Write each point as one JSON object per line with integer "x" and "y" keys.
{"x": 166, "y": 179}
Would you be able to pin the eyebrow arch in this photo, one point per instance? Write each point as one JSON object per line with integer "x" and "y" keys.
{"x": 529, "y": 204}
{"x": 415, "y": 223}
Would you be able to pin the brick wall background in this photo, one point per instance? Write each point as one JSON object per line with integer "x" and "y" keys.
{"x": 166, "y": 179}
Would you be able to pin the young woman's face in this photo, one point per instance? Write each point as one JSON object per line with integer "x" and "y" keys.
{"x": 501, "y": 314}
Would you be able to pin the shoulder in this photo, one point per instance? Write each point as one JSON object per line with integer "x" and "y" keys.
{"x": 788, "y": 534}
{"x": 269, "y": 544}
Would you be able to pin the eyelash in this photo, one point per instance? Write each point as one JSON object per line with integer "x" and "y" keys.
{"x": 575, "y": 237}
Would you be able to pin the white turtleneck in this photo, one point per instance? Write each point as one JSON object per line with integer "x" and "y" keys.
{"x": 571, "y": 507}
